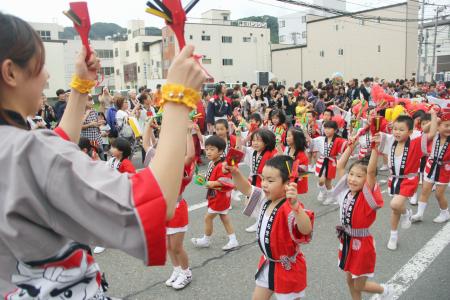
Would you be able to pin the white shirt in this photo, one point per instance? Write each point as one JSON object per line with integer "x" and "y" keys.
{"x": 120, "y": 117}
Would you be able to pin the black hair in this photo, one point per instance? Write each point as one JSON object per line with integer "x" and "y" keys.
{"x": 331, "y": 124}
{"x": 244, "y": 84}
{"x": 84, "y": 143}
{"x": 218, "y": 89}
{"x": 102, "y": 114}
{"x": 60, "y": 92}
{"x": 407, "y": 120}
{"x": 278, "y": 113}
{"x": 425, "y": 117}
{"x": 279, "y": 162}
{"x": 267, "y": 136}
{"x": 330, "y": 111}
{"x": 217, "y": 142}
{"x": 418, "y": 114}
{"x": 158, "y": 86}
{"x": 122, "y": 145}
{"x": 223, "y": 122}
{"x": 256, "y": 117}
{"x": 363, "y": 162}
{"x": 299, "y": 140}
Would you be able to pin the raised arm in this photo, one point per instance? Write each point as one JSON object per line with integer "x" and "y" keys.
{"x": 342, "y": 162}
{"x": 168, "y": 164}
{"x": 190, "y": 149}
{"x": 148, "y": 139}
{"x": 239, "y": 180}
{"x": 73, "y": 115}
{"x": 433, "y": 125}
{"x": 372, "y": 168}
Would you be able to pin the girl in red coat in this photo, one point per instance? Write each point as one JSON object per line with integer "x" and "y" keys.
{"x": 359, "y": 198}
{"x": 404, "y": 154}
{"x": 283, "y": 225}
{"x": 222, "y": 130}
{"x": 120, "y": 151}
{"x": 437, "y": 171}
{"x": 296, "y": 146}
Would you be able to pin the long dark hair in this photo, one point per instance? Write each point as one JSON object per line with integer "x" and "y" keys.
{"x": 299, "y": 140}
{"x": 20, "y": 43}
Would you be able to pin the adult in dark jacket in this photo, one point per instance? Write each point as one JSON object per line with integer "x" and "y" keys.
{"x": 60, "y": 105}
{"x": 218, "y": 107}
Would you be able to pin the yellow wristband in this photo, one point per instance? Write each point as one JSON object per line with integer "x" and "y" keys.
{"x": 80, "y": 85}
{"x": 178, "y": 93}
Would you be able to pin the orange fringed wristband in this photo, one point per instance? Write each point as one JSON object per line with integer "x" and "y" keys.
{"x": 80, "y": 85}
{"x": 178, "y": 93}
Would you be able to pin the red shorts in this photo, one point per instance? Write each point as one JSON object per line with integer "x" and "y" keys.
{"x": 180, "y": 218}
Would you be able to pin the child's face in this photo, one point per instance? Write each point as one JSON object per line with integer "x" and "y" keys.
{"x": 329, "y": 132}
{"x": 356, "y": 178}
{"x": 212, "y": 152}
{"x": 401, "y": 131}
{"x": 221, "y": 131}
{"x": 272, "y": 183}
{"x": 257, "y": 143}
{"x": 290, "y": 138}
{"x": 275, "y": 120}
{"x": 116, "y": 153}
{"x": 327, "y": 116}
{"x": 444, "y": 128}
{"x": 310, "y": 118}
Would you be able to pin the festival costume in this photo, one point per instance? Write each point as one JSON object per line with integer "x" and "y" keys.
{"x": 38, "y": 252}
{"x": 279, "y": 242}
{"x": 219, "y": 200}
{"x": 124, "y": 166}
{"x": 326, "y": 163}
{"x": 257, "y": 162}
{"x": 404, "y": 178}
{"x": 437, "y": 169}
{"x": 302, "y": 183}
{"x": 357, "y": 213}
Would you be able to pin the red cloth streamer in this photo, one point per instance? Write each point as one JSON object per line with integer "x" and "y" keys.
{"x": 81, "y": 10}
{"x": 178, "y": 20}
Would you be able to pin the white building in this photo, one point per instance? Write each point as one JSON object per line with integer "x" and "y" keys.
{"x": 356, "y": 48}
{"x": 233, "y": 50}
{"x": 442, "y": 62}
{"x": 292, "y": 27}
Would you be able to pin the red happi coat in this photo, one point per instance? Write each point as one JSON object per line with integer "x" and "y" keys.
{"x": 437, "y": 168}
{"x": 357, "y": 213}
{"x": 181, "y": 217}
{"x": 284, "y": 240}
{"x": 326, "y": 164}
{"x": 231, "y": 143}
{"x": 266, "y": 155}
{"x": 219, "y": 199}
{"x": 409, "y": 181}
{"x": 302, "y": 158}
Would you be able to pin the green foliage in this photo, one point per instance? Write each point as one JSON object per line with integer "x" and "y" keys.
{"x": 272, "y": 24}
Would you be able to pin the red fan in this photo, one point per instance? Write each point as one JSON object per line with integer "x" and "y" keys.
{"x": 79, "y": 15}
{"x": 234, "y": 157}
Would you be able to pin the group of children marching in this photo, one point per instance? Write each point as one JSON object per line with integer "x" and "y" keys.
{"x": 281, "y": 159}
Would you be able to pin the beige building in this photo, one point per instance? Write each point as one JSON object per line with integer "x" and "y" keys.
{"x": 356, "y": 48}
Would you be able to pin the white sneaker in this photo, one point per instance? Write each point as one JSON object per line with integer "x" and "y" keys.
{"x": 405, "y": 219}
{"x": 382, "y": 181}
{"x": 392, "y": 244}
{"x": 417, "y": 218}
{"x": 329, "y": 200}
{"x": 252, "y": 228}
{"x": 321, "y": 197}
{"x": 231, "y": 245}
{"x": 388, "y": 293}
{"x": 173, "y": 277}
{"x": 413, "y": 200}
{"x": 182, "y": 280}
{"x": 201, "y": 242}
{"x": 384, "y": 168}
{"x": 443, "y": 217}
{"x": 98, "y": 250}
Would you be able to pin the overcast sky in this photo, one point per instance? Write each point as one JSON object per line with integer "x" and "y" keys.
{"x": 120, "y": 12}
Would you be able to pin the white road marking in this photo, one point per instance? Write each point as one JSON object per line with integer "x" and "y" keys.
{"x": 198, "y": 206}
{"x": 412, "y": 270}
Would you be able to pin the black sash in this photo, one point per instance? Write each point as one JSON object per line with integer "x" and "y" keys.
{"x": 395, "y": 188}
{"x": 346, "y": 220}
{"x": 211, "y": 192}
{"x": 326, "y": 160}
{"x": 266, "y": 244}
{"x": 255, "y": 165}
{"x": 438, "y": 157}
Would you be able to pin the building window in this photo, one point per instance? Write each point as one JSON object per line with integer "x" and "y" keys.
{"x": 361, "y": 22}
{"x": 45, "y": 35}
{"x": 107, "y": 71}
{"x": 116, "y": 52}
{"x": 282, "y": 23}
{"x": 139, "y": 69}
{"x": 246, "y": 39}
{"x": 104, "y": 53}
{"x": 282, "y": 38}
{"x": 191, "y": 37}
{"x": 136, "y": 47}
{"x": 127, "y": 53}
{"x": 206, "y": 37}
{"x": 303, "y": 19}
{"x": 322, "y": 53}
{"x": 117, "y": 72}
{"x": 341, "y": 52}
{"x": 304, "y": 34}
{"x": 225, "y": 18}
{"x": 206, "y": 61}
{"x": 227, "y": 39}
{"x": 337, "y": 27}
{"x": 379, "y": 48}
{"x": 227, "y": 62}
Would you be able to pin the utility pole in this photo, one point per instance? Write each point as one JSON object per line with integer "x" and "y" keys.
{"x": 420, "y": 42}
{"x": 433, "y": 65}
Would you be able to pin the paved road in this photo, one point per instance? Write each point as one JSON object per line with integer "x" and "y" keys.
{"x": 219, "y": 275}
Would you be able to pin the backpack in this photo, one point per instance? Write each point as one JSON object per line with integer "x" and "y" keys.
{"x": 111, "y": 120}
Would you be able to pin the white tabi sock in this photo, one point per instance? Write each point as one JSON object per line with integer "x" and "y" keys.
{"x": 421, "y": 208}
{"x": 232, "y": 237}
{"x": 394, "y": 234}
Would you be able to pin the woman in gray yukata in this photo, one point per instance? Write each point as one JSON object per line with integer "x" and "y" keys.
{"x": 54, "y": 199}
